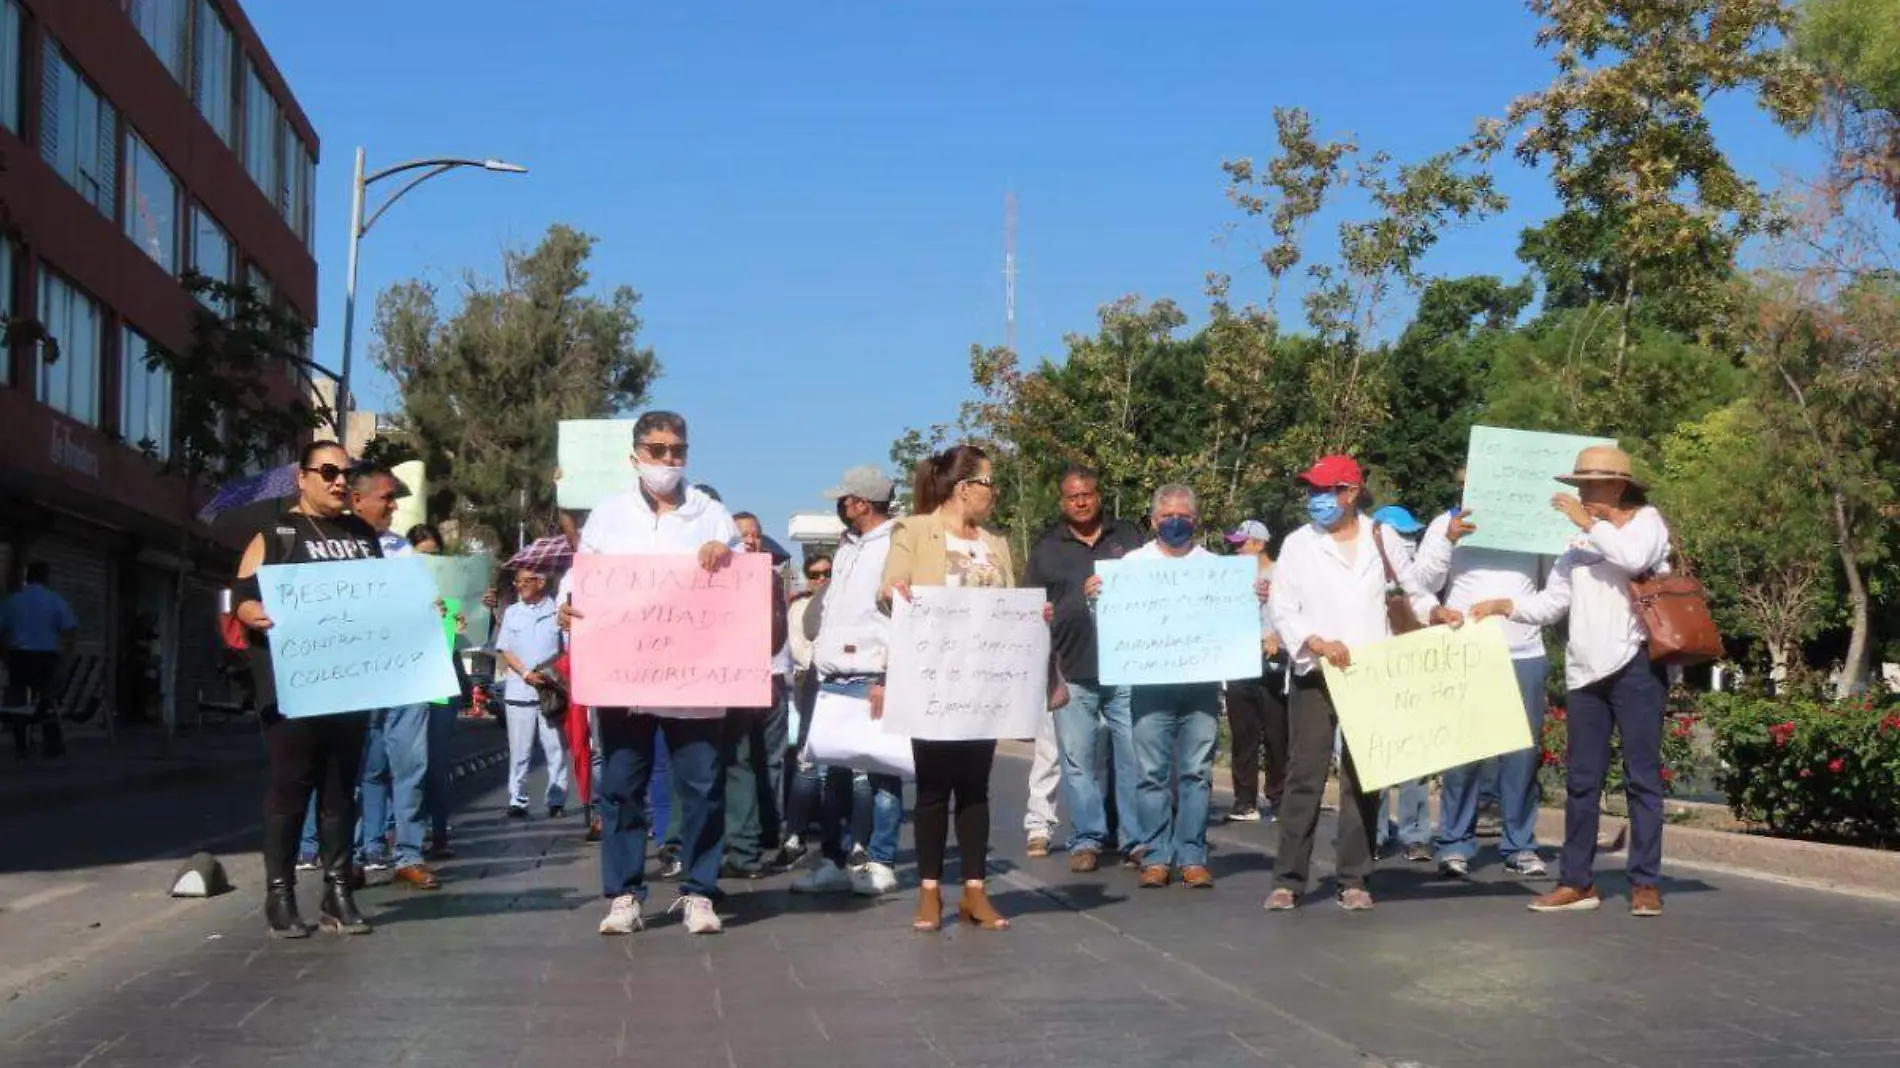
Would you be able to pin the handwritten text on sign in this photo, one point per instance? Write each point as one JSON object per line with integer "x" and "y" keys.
{"x": 464, "y": 579}
{"x": 967, "y": 664}
{"x": 664, "y": 635}
{"x": 353, "y": 635}
{"x": 595, "y": 457}
{"x": 1510, "y": 477}
{"x": 1433, "y": 699}
{"x": 1195, "y": 619}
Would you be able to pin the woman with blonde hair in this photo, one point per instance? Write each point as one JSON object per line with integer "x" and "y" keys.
{"x": 944, "y": 544}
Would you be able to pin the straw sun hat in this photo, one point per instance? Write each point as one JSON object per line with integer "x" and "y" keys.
{"x": 1602, "y": 463}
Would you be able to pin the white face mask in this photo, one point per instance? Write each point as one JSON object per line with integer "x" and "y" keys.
{"x": 659, "y": 479}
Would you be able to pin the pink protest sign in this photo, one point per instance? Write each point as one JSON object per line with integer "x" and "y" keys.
{"x": 664, "y": 635}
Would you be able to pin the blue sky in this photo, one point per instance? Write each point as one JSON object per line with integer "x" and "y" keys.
{"x": 810, "y": 196}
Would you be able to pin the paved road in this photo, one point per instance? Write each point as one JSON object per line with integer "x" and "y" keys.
{"x": 503, "y": 968}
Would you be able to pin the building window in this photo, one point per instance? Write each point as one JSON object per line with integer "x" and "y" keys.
{"x": 212, "y": 255}
{"x": 10, "y": 65}
{"x": 151, "y": 203}
{"x": 70, "y": 384}
{"x": 261, "y": 123}
{"x": 79, "y": 131}
{"x": 290, "y": 177}
{"x": 211, "y": 84}
{"x": 308, "y": 162}
{"x": 164, "y": 25}
{"x": 259, "y": 282}
{"x": 145, "y": 398}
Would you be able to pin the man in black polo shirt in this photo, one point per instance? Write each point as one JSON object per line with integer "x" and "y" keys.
{"x": 1061, "y": 562}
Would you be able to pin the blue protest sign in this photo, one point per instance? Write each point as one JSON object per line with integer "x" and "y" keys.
{"x": 1194, "y": 619}
{"x": 350, "y": 635}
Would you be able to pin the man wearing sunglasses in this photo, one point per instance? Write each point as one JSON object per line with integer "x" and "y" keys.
{"x": 663, "y": 514}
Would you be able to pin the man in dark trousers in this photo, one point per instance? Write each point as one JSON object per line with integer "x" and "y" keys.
{"x": 1061, "y": 562}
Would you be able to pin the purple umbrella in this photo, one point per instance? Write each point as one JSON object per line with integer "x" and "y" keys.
{"x": 551, "y": 553}
{"x": 249, "y": 490}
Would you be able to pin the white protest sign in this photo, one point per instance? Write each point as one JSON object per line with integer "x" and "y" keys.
{"x": 967, "y": 664}
{"x": 596, "y": 459}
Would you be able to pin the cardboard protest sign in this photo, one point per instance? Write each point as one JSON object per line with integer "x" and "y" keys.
{"x": 596, "y": 459}
{"x": 1195, "y": 619}
{"x": 351, "y": 635}
{"x": 666, "y": 636}
{"x": 1510, "y": 477}
{"x": 1434, "y": 699}
{"x": 967, "y": 664}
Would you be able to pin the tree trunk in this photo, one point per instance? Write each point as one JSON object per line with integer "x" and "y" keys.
{"x": 1623, "y": 326}
{"x": 1854, "y": 670}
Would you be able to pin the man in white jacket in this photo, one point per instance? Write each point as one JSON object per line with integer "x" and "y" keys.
{"x": 662, "y": 515}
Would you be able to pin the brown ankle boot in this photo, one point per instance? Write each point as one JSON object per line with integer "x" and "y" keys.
{"x": 929, "y": 909}
{"x": 975, "y": 908}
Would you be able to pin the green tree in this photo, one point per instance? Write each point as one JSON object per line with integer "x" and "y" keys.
{"x": 484, "y": 386}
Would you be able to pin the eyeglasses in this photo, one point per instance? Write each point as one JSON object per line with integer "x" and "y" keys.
{"x": 659, "y": 450}
{"x": 986, "y": 483}
{"x": 328, "y": 472}
{"x": 817, "y": 575}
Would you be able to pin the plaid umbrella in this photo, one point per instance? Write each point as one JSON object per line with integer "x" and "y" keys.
{"x": 551, "y": 553}
{"x": 238, "y": 493}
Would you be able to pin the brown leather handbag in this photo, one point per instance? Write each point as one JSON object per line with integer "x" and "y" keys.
{"x": 1398, "y": 607}
{"x": 1674, "y": 609}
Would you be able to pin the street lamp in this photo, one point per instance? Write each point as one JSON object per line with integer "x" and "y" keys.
{"x": 360, "y": 226}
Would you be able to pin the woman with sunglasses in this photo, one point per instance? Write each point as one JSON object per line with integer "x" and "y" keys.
{"x": 944, "y": 544}
{"x": 324, "y": 753}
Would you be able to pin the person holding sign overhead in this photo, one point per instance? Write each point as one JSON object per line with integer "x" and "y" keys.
{"x": 1340, "y": 581}
{"x": 945, "y": 544}
{"x": 1607, "y": 667}
{"x": 315, "y": 753}
{"x": 1175, "y": 728}
{"x": 661, "y": 515}
{"x": 1469, "y": 576}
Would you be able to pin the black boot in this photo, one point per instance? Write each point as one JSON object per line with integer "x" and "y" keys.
{"x": 337, "y": 914}
{"x": 281, "y": 836}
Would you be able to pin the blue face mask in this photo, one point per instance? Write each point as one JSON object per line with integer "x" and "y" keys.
{"x": 1323, "y": 509}
{"x": 1175, "y": 531}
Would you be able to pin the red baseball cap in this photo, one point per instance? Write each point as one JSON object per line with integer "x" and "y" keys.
{"x": 1333, "y": 471}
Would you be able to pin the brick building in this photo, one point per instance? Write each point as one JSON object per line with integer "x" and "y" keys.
{"x": 139, "y": 139}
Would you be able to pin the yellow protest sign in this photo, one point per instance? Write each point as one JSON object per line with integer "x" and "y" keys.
{"x": 1433, "y": 699}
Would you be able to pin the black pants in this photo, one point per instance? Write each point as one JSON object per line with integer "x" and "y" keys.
{"x": 963, "y": 769}
{"x": 320, "y": 754}
{"x": 1311, "y": 725}
{"x": 1256, "y": 715}
{"x": 32, "y": 672}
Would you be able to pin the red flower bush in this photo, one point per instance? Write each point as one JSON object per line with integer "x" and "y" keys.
{"x": 1803, "y": 762}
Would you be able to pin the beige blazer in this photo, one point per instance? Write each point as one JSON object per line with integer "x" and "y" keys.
{"x": 918, "y": 557}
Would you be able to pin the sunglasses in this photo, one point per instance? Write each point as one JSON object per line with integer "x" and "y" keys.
{"x": 328, "y": 472}
{"x": 986, "y": 483}
{"x": 825, "y": 574}
{"x": 657, "y": 450}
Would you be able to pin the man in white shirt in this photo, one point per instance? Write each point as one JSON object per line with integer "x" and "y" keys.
{"x": 1469, "y": 577}
{"x": 1329, "y": 595}
{"x": 661, "y": 515}
{"x": 849, "y": 652}
{"x": 1175, "y": 729}
{"x": 530, "y": 639}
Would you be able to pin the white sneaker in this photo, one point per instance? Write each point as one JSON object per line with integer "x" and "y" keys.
{"x": 826, "y": 878}
{"x": 623, "y": 917}
{"x": 1454, "y": 867}
{"x": 700, "y": 916}
{"x": 873, "y": 880}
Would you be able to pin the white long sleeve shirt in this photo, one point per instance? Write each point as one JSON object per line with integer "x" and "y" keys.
{"x": 853, "y": 633}
{"x": 1591, "y": 584}
{"x": 1320, "y": 592}
{"x": 1468, "y": 576}
{"x": 624, "y": 524}
{"x": 802, "y": 648}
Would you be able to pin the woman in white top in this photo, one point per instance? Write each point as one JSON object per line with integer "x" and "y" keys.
{"x": 1607, "y": 668}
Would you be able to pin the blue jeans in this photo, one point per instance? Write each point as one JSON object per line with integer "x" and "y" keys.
{"x": 1079, "y": 725}
{"x": 395, "y": 765}
{"x": 437, "y": 797}
{"x": 877, "y": 813}
{"x": 1413, "y": 822}
{"x": 1461, "y": 788}
{"x": 630, "y": 741}
{"x": 659, "y": 794}
{"x": 1633, "y": 700}
{"x": 1175, "y": 728}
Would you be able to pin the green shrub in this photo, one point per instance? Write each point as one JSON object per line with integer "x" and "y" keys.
{"x": 1805, "y": 763}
